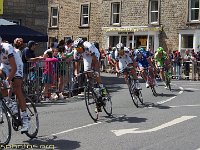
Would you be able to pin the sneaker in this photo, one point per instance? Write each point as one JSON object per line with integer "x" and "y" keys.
{"x": 54, "y": 96}
{"x": 61, "y": 96}
{"x": 147, "y": 85}
{"x": 48, "y": 99}
{"x": 25, "y": 122}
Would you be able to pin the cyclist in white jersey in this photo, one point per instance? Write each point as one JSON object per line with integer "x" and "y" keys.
{"x": 124, "y": 60}
{"x": 12, "y": 69}
{"x": 90, "y": 55}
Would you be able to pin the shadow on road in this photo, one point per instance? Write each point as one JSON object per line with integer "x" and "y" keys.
{"x": 54, "y": 143}
{"x": 159, "y": 106}
{"x": 124, "y": 118}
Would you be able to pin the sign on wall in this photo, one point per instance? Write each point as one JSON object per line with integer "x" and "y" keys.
{"x": 1, "y": 7}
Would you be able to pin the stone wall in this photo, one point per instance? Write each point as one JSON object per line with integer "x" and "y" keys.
{"x": 31, "y": 13}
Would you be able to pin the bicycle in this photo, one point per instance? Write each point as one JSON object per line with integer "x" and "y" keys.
{"x": 6, "y": 124}
{"x": 151, "y": 82}
{"x": 93, "y": 97}
{"x": 135, "y": 93}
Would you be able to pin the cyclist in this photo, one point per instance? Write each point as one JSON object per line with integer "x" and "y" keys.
{"x": 90, "y": 55}
{"x": 162, "y": 60}
{"x": 144, "y": 62}
{"x": 12, "y": 69}
{"x": 123, "y": 61}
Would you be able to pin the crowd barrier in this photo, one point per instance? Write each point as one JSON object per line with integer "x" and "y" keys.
{"x": 187, "y": 70}
{"x": 57, "y": 77}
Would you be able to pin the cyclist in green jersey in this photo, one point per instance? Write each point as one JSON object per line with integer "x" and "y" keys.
{"x": 161, "y": 61}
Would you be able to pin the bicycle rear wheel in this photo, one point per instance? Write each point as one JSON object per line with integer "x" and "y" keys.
{"x": 131, "y": 87}
{"x": 5, "y": 127}
{"x": 91, "y": 103}
{"x": 33, "y": 118}
{"x": 107, "y": 106}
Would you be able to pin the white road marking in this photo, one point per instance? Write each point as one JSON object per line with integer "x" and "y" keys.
{"x": 165, "y": 125}
{"x": 192, "y": 89}
{"x": 167, "y": 100}
{"x": 181, "y": 88}
{"x": 66, "y": 131}
{"x": 185, "y": 106}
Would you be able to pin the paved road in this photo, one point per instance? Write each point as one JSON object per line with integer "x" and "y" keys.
{"x": 168, "y": 122}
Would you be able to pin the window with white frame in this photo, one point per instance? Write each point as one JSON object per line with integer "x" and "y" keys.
{"x": 54, "y": 17}
{"x": 85, "y": 15}
{"x": 193, "y": 10}
{"x": 153, "y": 11}
{"x": 115, "y": 13}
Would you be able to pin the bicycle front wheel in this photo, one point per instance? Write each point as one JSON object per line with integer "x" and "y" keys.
{"x": 33, "y": 118}
{"x": 131, "y": 87}
{"x": 91, "y": 103}
{"x": 107, "y": 106}
{"x": 5, "y": 128}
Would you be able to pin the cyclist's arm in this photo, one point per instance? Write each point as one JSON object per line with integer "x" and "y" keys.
{"x": 13, "y": 70}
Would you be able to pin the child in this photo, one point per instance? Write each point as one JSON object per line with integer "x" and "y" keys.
{"x": 48, "y": 74}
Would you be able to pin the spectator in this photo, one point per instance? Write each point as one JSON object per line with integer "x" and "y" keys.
{"x": 187, "y": 59}
{"x": 47, "y": 78}
{"x": 177, "y": 62}
{"x": 53, "y": 46}
{"x": 28, "y": 54}
{"x": 194, "y": 64}
{"x": 102, "y": 62}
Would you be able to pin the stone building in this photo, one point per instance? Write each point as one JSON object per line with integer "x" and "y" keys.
{"x": 73, "y": 19}
{"x": 29, "y": 13}
{"x": 172, "y": 24}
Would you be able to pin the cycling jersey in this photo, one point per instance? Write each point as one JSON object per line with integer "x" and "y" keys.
{"x": 123, "y": 60}
{"x": 7, "y": 52}
{"x": 89, "y": 51}
{"x": 160, "y": 60}
{"x": 142, "y": 62}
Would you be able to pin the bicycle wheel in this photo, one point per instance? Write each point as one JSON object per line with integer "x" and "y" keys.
{"x": 5, "y": 127}
{"x": 131, "y": 87}
{"x": 139, "y": 95}
{"x": 91, "y": 103}
{"x": 107, "y": 106}
{"x": 33, "y": 118}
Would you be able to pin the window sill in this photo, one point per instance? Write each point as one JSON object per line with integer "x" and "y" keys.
{"x": 52, "y": 28}
{"x": 193, "y": 22}
{"x": 84, "y": 27}
{"x": 154, "y": 24}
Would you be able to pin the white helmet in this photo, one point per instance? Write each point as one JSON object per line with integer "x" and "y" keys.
{"x": 78, "y": 42}
{"x": 120, "y": 46}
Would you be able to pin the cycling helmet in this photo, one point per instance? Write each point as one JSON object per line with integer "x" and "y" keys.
{"x": 78, "y": 42}
{"x": 114, "y": 48}
{"x": 18, "y": 42}
{"x": 120, "y": 46}
{"x": 137, "y": 52}
{"x": 160, "y": 50}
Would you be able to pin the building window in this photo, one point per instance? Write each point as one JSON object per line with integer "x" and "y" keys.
{"x": 85, "y": 15}
{"x": 193, "y": 10}
{"x": 186, "y": 41}
{"x": 54, "y": 17}
{"x": 153, "y": 11}
{"x": 113, "y": 41}
{"x": 115, "y": 13}
{"x": 52, "y": 40}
